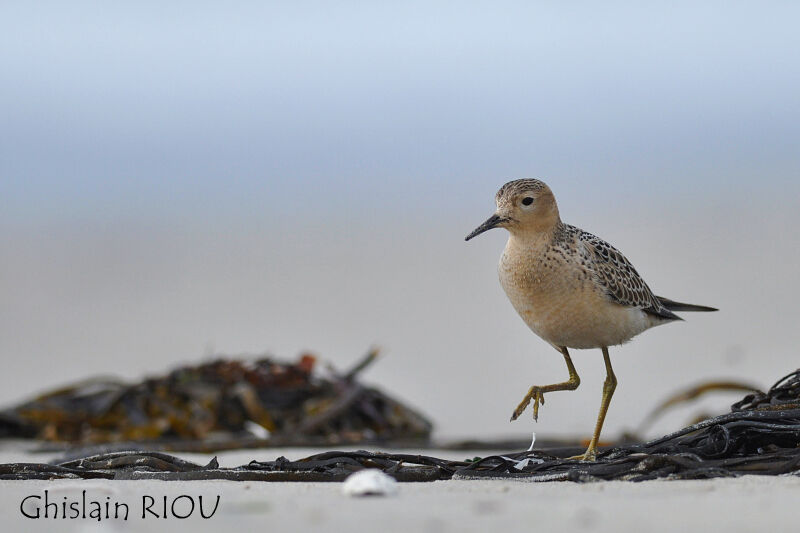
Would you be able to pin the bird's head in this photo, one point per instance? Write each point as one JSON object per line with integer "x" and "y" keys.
{"x": 523, "y": 206}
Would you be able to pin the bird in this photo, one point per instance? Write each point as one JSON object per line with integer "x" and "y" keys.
{"x": 571, "y": 288}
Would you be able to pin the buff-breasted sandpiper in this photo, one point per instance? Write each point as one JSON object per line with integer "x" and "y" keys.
{"x": 571, "y": 288}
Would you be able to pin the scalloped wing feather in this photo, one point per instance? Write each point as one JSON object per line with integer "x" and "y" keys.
{"x": 619, "y": 278}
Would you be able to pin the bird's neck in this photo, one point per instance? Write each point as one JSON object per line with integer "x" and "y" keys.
{"x": 534, "y": 236}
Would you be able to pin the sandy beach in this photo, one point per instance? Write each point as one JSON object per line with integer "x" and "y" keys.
{"x": 732, "y": 505}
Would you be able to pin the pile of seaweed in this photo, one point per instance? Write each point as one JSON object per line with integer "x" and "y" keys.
{"x": 226, "y": 403}
{"x": 761, "y": 435}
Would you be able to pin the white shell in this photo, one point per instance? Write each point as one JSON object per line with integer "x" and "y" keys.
{"x": 369, "y": 482}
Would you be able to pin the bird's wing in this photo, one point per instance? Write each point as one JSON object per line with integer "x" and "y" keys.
{"x": 617, "y": 276}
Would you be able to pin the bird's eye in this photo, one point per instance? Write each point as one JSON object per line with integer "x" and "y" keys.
{"x": 527, "y": 200}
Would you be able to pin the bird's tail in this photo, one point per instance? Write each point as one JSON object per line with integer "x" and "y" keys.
{"x": 672, "y": 305}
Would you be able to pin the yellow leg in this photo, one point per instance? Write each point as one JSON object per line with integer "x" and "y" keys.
{"x": 608, "y": 391}
{"x": 536, "y": 393}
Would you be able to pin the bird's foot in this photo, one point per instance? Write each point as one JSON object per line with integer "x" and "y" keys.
{"x": 589, "y": 455}
{"x": 535, "y": 394}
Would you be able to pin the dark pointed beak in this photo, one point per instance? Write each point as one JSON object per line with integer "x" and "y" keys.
{"x": 492, "y": 222}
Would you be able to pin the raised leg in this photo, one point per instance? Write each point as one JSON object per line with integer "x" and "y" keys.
{"x": 608, "y": 391}
{"x": 536, "y": 393}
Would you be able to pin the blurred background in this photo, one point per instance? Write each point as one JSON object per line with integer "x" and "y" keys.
{"x": 183, "y": 179}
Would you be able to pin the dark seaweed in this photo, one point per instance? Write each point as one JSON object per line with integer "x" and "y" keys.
{"x": 761, "y": 435}
{"x": 216, "y": 405}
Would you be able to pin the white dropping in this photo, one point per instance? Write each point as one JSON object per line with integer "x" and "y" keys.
{"x": 533, "y": 441}
{"x": 522, "y": 464}
{"x": 369, "y": 482}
